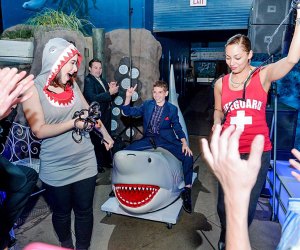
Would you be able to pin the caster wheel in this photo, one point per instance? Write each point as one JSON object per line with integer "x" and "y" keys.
{"x": 108, "y": 214}
{"x": 169, "y": 226}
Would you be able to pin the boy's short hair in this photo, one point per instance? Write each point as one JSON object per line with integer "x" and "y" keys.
{"x": 161, "y": 84}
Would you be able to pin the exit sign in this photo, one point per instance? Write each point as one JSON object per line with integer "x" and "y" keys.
{"x": 197, "y": 2}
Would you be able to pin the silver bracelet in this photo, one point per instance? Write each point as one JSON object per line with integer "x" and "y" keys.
{"x": 297, "y": 20}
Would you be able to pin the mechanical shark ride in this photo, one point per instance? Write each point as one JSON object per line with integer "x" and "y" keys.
{"x": 146, "y": 181}
{"x": 147, "y": 184}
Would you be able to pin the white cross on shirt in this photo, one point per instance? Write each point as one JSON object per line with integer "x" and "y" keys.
{"x": 240, "y": 120}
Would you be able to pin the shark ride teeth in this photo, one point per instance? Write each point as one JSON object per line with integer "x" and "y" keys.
{"x": 135, "y": 195}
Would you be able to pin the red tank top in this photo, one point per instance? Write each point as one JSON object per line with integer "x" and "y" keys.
{"x": 249, "y": 115}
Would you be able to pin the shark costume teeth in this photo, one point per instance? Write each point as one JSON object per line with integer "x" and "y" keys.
{"x": 65, "y": 102}
{"x": 59, "y": 51}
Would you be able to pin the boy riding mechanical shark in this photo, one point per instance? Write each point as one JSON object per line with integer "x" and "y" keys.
{"x": 146, "y": 179}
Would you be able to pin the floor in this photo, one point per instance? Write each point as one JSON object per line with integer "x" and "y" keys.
{"x": 199, "y": 230}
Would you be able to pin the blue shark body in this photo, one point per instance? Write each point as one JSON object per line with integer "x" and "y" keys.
{"x": 34, "y": 5}
{"x": 146, "y": 181}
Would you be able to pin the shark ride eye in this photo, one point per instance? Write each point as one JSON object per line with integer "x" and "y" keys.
{"x": 149, "y": 160}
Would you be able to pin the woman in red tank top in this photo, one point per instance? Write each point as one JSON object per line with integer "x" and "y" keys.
{"x": 241, "y": 99}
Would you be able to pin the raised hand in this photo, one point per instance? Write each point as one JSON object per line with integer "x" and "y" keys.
{"x": 237, "y": 178}
{"x": 113, "y": 88}
{"x": 130, "y": 91}
{"x": 224, "y": 159}
{"x": 13, "y": 87}
{"x": 129, "y": 94}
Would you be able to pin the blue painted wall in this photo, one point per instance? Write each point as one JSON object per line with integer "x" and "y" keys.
{"x": 105, "y": 14}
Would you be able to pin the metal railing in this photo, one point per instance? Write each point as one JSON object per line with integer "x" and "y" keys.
{"x": 22, "y": 147}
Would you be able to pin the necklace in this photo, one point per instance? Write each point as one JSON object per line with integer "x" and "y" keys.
{"x": 238, "y": 84}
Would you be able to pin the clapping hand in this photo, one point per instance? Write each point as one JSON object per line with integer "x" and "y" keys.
{"x": 113, "y": 88}
{"x": 13, "y": 87}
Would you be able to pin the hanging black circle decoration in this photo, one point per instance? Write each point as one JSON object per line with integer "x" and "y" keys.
{"x": 120, "y": 126}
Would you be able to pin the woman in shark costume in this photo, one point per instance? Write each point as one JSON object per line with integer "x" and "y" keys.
{"x": 68, "y": 169}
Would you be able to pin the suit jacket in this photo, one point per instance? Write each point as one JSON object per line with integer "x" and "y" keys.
{"x": 169, "y": 128}
{"x": 93, "y": 91}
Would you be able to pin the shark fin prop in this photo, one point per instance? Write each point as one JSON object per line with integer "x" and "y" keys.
{"x": 173, "y": 98}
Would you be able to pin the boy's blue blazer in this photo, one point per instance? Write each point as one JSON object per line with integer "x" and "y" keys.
{"x": 170, "y": 128}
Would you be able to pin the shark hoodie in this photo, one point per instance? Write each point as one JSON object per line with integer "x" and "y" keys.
{"x": 63, "y": 161}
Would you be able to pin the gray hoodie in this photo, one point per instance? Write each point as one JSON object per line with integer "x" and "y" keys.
{"x": 63, "y": 161}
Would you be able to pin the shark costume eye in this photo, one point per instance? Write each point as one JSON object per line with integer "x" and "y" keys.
{"x": 52, "y": 49}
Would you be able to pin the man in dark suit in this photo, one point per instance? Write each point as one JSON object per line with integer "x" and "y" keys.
{"x": 161, "y": 128}
{"x": 97, "y": 89}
